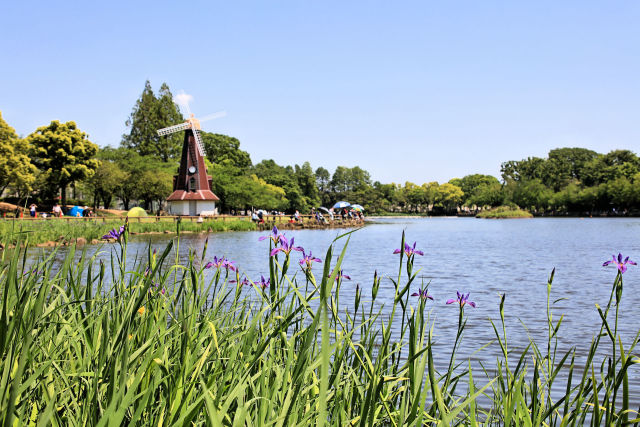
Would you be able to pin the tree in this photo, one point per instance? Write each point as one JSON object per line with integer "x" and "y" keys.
{"x": 221, "y": 148}
{"x": 64, "y": 154}
{"x": 307, "y": 184}
{"x": 106, "y": 182}
{"x": 472, "y": 184}
{"x": 283, "y": 177}
{"x": 322, "y": 183}
{"x": 448, "y": 197}
{"x": 16, "y": 169}
{"x": 531, "y": 194}
{"x": 148, "y": 115}
{"x": 566, "y": 164}
{"x": 168, "y": 112}
{"x": 154, "y": 186}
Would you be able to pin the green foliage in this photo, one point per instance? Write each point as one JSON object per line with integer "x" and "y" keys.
{"x": 448, "y": 196}
{"x": 64, "y": 154}
{"x": 107, "y": 181}
{"x": 154, "y": 186}
{"x": 148, "y": 115}
{"x": 503, "y": 212}
{"x": 145, "y": 178}
{"x": 225, "y": 149}
{"x": 16, "y": 170}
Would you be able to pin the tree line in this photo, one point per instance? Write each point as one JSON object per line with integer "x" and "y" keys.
{"x": 59, "y": 156}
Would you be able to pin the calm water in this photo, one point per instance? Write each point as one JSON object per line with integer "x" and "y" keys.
{"x": 484, "y": 257}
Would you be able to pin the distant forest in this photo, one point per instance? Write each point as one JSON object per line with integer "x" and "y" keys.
{"x": 58, "y": 159}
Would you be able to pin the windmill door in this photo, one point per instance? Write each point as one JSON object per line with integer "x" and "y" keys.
{"x": 192, "y": 208}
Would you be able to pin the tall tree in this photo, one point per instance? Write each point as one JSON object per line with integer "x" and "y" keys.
{"x": 16, "y": 169}
{"x": 64, "y": 154}
{"x": 106, "y": 182}
{"x": 307, "y": 183}
{"x": 148, "y": 115}
{"x": 221, "y": 148}
{"x": 168, "y": 114}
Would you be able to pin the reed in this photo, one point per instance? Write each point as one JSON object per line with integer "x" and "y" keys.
{"x": 84, "y": 342}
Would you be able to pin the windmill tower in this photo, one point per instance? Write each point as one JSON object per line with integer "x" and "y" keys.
{"x": 192, "y": 193}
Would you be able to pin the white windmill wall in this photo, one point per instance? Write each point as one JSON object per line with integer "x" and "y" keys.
{"x": 206, "y": 206}
{"x": 178, "y": 207}
{"x": 181, "y": 207}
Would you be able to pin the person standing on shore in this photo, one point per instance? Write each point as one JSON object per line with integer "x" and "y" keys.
{"x": 32, "y": 210}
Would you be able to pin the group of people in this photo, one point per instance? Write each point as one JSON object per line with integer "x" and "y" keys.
{"x": 57, "y": 211}
{"x": 258, "y": 215}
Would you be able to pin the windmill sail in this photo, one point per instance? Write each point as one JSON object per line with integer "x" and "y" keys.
{"x": 174, "y": 128}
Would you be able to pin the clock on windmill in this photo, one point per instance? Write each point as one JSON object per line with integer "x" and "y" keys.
{"x": 192, "y": 193}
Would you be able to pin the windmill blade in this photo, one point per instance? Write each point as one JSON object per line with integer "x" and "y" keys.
{"x": 213, "y": 116}
{"x": 174, "y": 128}
{"x": 198, "y": 137}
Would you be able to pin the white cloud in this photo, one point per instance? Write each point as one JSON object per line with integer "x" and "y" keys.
{"x": 183, "y": 99}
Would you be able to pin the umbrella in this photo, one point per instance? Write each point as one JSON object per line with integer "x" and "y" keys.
{"x": 357, "y": 208}
{"x": 323, "y": 209}
{"x": 341, "y": 205}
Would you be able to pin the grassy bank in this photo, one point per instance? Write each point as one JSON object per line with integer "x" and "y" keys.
{"x": 61, "y": 231}
{"x": 86, "y": 343}
{"x": 504, "y": 212}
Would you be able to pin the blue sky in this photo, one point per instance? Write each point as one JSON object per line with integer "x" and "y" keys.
{"x": 410, "y": 91}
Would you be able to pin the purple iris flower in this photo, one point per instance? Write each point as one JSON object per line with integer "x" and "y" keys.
{"x": 287, "y": 247}
{"x": 341, "y": 275}
{"x": 263, "y": 283}
{"x": 462, "y": 300}
{"x": 114, "y": 234}
{"x": 275, "y": 236}
{"x": 228, "y": 265}
{"x": 306, "y": 260}
{"x": 243, "y": 282}
{"x": 217, "y": 263}
{"x": 422, "y": 293}
{"x": 622, "y": 265}
{"x": 409, "y": 250}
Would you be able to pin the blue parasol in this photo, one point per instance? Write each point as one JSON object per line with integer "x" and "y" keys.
{"x": 341, "y": 205}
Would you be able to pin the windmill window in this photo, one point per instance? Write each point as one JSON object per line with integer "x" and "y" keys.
{"x": 192, "y": 184}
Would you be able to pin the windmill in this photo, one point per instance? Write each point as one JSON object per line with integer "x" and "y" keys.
{"x": 192, "y": 193}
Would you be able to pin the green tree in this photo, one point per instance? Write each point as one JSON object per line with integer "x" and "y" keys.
{"x": 307, "y": 184}
{"x": 567, "y": 164}
{"x": 154, "y": 186}
{"x": 16, "y": 170}
{"x": 448, "y": 197}
{"x": 64, "y": 154}
{"x": 221, "y": 148}
{"x": 106, "y": 183}
{"x": 531, "y": 194}
{"x": 323, "y": 178}
{"x": 472, "y": 184}
{"x": 283, "y": 177}
{"x": 148, "y": 115}
{"x": 487, "y": 194}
